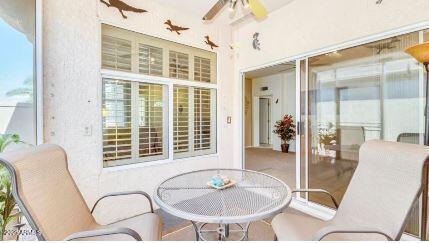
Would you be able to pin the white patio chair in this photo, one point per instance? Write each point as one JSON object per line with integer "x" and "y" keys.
{"x": 50, "y": 200}
{"x": 378, "y": 200}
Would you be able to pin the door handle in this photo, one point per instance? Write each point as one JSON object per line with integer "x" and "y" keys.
{"x": 298, "y": 128}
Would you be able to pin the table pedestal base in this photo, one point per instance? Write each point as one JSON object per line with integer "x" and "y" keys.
{"x": 223, "y": 232}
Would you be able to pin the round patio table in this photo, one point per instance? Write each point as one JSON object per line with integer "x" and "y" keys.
{"x": 254, "y": 196}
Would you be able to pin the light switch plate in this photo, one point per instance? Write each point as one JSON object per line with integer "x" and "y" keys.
{"x": 229, "y": 120}
{"x": 88, "y": 131}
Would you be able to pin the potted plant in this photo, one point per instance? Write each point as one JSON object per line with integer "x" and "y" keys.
{"x": 8, "y": 212}
{"x": 328, "y": 135}
{"x": 286, "y": 130}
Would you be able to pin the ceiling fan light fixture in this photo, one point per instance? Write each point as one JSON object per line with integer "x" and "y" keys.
{"x": 245, "y": 3}
{"x": 232, "y": 4}
{"x": 254, "y": 6}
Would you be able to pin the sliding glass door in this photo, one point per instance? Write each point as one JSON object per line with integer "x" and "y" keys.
{"x": 349, "y": 96}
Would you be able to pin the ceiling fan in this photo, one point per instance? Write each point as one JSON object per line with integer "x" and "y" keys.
{"x": 257, "y": 8}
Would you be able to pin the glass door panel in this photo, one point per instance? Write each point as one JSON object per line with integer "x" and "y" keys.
{"x": 17, "y": 65}
{"x": 302, "y": 125}
{"x": 372, "y": 91}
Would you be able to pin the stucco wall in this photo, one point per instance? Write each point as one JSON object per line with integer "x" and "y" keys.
{"x": 73, "y": 92}
{"x": 308, "y": 25}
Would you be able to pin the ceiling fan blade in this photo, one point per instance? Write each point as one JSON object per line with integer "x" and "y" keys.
{"x": 215, "y": 9}
{"x": 258, "y": 9}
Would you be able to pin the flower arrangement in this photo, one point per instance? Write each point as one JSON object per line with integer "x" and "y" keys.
{"x": 328, "y": 135}
{"x": 286, "y": 130}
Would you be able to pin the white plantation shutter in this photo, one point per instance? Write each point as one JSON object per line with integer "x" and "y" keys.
{"x": 116, "y": 120}
{"x": 179, "y": 65}
{"x": 181, "y": 119}
{"x": 202, "y": 69}
{"x": 130, "y": 51}
{"x": 151, "y": 120}
{"x": 116, "y": 53}
{"x": 202, "y": 119}
{"x": 150, "y": 60}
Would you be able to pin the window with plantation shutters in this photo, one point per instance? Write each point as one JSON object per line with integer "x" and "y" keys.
{"x": 150, "y": 60}
{"x": 179, "y": 65}
{"x": 116, "y": 53}
{"x": 202, "y": 119}
{"x": 202, "y": 69}
{"x": 181, "y": 119}
{"x": 116, "y": 120}
{"x": 151, "y": 120}
{"x": 159, "y": 99}
{"x": 134, "y": 52}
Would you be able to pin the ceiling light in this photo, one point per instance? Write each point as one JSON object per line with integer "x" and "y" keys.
{"x": 245, "y": 3}
{"x": 232, "y": 5}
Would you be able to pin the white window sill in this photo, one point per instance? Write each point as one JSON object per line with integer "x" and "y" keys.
{"x": 154, "y": 163}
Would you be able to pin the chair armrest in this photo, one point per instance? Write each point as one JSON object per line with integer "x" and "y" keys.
{"x": 348, "y": 230}
{"x": 116, "y": 194}
{"x": 318, "y": 191}
{"x": 103, "y": 232}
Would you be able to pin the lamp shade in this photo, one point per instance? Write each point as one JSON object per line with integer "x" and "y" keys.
{"x": 420, "y": 52}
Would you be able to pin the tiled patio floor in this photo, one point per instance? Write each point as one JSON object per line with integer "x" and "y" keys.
{"x": 176, "y": 229}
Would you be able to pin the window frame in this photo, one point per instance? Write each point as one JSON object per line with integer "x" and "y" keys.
{"x": 135, "y": 76}
{"x": 169, "y": 83}
{"x": 38, "y": 76}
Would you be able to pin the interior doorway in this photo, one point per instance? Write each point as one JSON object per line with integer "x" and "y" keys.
{"x": 269, "y": 95}
{"x": 264, "y": 122}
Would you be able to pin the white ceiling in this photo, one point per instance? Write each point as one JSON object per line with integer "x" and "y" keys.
{"x": 280, "y": 68}
{"x": 199, "y": 8}
{"x": 194, "y": 7}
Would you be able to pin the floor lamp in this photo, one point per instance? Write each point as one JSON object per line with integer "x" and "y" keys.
{"x": 421, "y": 54}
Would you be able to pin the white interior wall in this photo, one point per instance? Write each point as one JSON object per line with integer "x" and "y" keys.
{"x": 281, "y": 87}
{"x": 72, "y": 61}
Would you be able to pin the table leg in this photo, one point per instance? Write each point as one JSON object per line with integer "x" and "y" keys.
{"x": 197, "y": 231}
{"x": 246, "y": 232}
{"x": 223, "y": 231}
